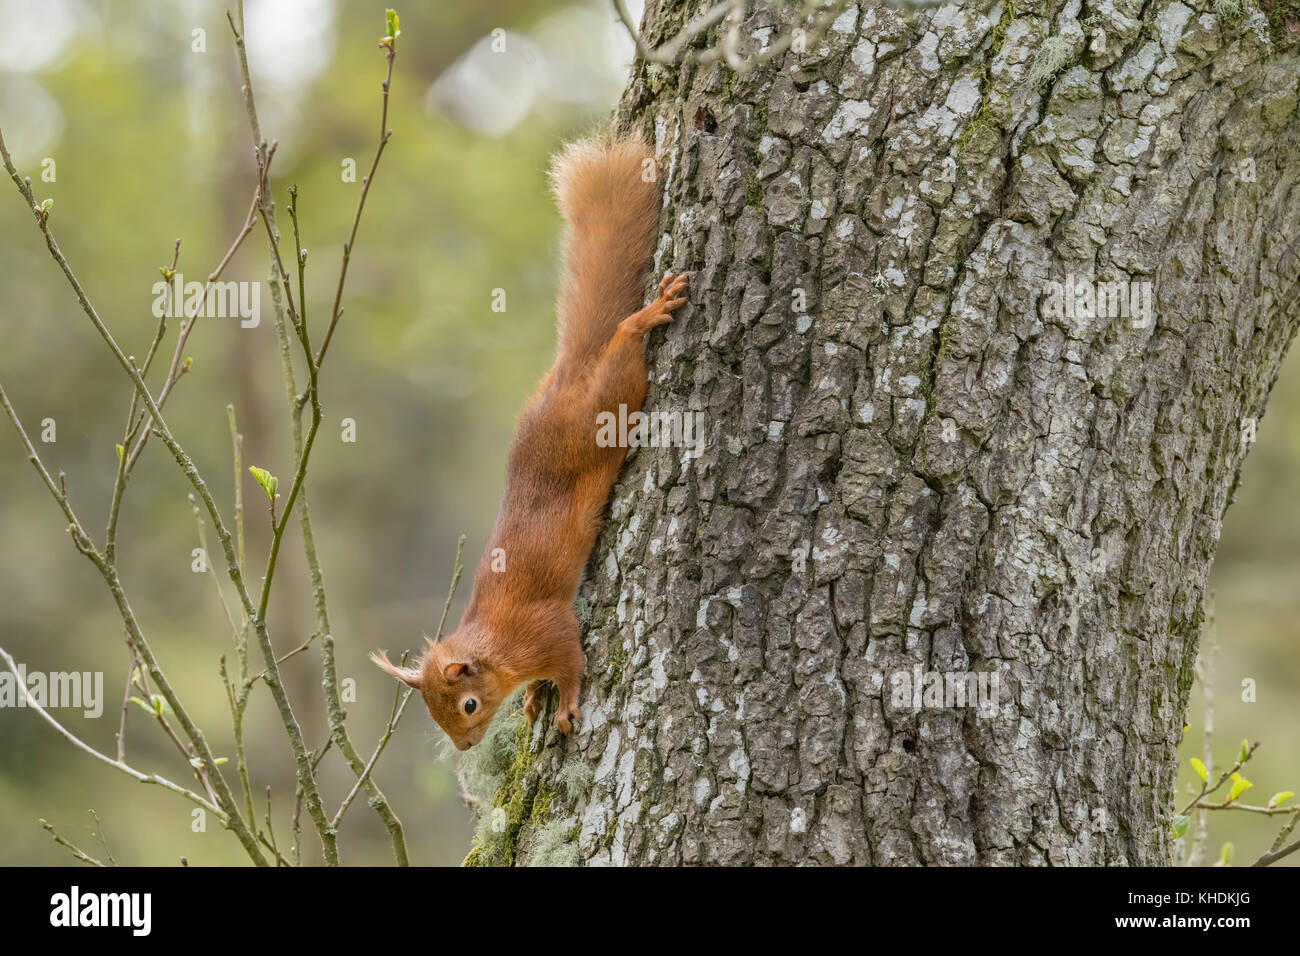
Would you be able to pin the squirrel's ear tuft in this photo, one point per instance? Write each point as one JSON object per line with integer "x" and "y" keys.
{"x": 407, "y": 675}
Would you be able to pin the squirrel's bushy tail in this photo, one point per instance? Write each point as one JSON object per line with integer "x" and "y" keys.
{"x": 612, "y": 213}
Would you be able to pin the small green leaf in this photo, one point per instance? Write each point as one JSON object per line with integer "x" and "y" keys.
{"x": 220, "y": 760}
{"x": 46, "y": 206}
{"x": 1179, "y": 826}
{"x": 142, "y": 705}
{"x": 1239, "y": 786}
{"x": 1279, "y": 798}
{"x": 1199, "y": 767}
{"x": 196, "y": 763}
{"x": 267, "y": 480}
{"x": 1245, "y": 752}
{"x": 1225, "y": 855}
{"x": 392, "y": 23}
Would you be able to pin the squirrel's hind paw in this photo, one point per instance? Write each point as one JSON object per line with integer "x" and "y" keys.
{"x": 668, "y": 295}
{"x": 668, "y": 298}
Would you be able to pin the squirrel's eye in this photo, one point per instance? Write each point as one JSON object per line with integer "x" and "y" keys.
{"x": 470, "y": 705}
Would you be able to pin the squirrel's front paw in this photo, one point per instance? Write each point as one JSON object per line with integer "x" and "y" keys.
{"x": 533, "y": 701}
{"x": 568, "y": 718}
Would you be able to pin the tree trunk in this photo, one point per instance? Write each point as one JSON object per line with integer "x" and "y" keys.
{"x": 921, "y": 457}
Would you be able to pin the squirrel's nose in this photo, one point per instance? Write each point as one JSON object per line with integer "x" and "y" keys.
{"x": 463, "y": 745}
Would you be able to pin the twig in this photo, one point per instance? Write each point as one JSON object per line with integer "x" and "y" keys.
{"x": 176, "y": 369}
{"x": 1267, "y": 811}
{"x": 457, "y": 569}
{"x": 75, "y": 850}
{"x": 239, "y": 702}
{"x": 1286, "y": 829}
{"x": 403, "y": 695}
{"x": 134, "y": 419}
{"x": 270, "y": 830}
{"x": 727, "y": 48}
{"x": 237, "y": 454}
{"x": 216, "y": 581}
{"x": 261, "y": 675}
{"x": 297, "y": 803}
{"x": 58, "y": 491}
{"x": 126, "y": 702}
{"x": 1207, "y": 668}
{"x": 1277, "y": 851}
{"x": 669, "y": 52}
{"x": 390, "y": 48}
{"x": 103, "y": 840}
{"x": 1206, "y": 789}
{"x": 400, "y": 700}
{"x": 200, "y": 768}
{"x": 1269, "y": 858}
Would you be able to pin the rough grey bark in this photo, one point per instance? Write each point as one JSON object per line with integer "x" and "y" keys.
{"x": 924, "y": 467}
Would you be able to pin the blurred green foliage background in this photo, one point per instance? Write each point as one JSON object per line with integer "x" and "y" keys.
{"x": 150, "y": 143}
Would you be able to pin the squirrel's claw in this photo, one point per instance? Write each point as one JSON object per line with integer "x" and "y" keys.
{"x": 567, "y": 719}
{"x": 669, "y": 297}
{"x": 670, "y": 285}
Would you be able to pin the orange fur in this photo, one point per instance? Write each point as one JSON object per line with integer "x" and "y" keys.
{"x": 519, "y": 625}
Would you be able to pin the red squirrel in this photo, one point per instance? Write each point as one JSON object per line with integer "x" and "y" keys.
{"x": 519, "y": 625}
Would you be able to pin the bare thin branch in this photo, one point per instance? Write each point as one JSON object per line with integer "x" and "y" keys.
{"x": 71, "y": 847}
